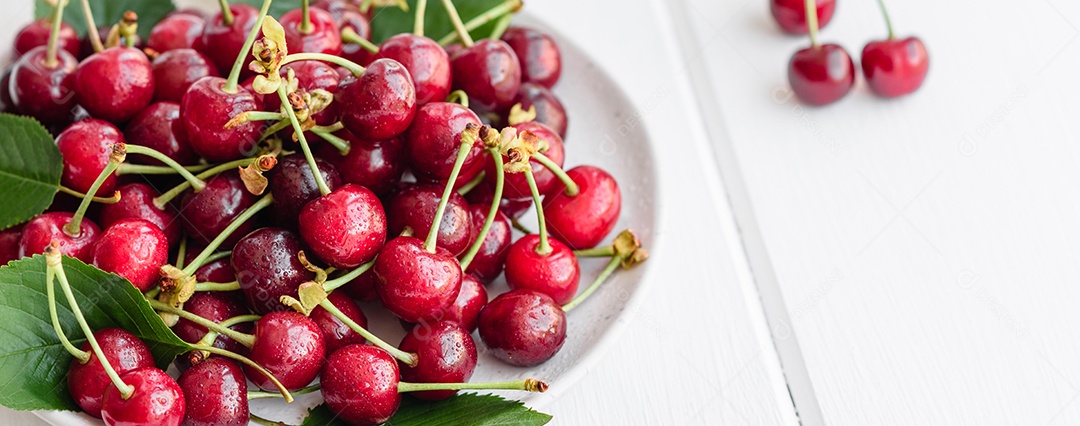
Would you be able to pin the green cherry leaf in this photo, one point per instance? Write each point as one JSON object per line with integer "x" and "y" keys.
{"x": 108, "y": 12}
{"x": 392, "y": 20}
{"x": 467, "y": 409}
{"x": 30, "y": 169}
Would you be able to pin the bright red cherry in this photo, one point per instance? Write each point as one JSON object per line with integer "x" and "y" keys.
{"x": 288, "y": 345}
{"x": 159, "y": 127}
{"x": 375, "y": 165}
{"x": 311, "y": 75}
{"x": 87, "y": 382}
{"x": 177, "y": 31}
{"x": 489, "y": 72}
{"x": 86, "y": 147}
{"x": 427, "y": 62}
{"x": 488, "y": 263}
{"x": 267, "y": 267}
{"x": 538, "y": 54}
{"x": 222, "y": 42}
{"x": 380, "y": 103}
{"x": 157, "y": 400}
{"x": 555, "y": 274}
{"x": 821, "y": 75}
{"x": 137, "y": 202}
{"x": 446, "y": 354}
{"x": 583, "y": 220}
{"x": 176, "y": 70}
{"x": 415, "y": 284}
{"x": 44, "y": 92}
{"x": 134, "y": 249}
{"x": 363, "y": 287}
{"x": 37, "y": 33}
{"x": 791, "y": 14}
{"x": 46, "y": 227}
{"x": 216, "y": 394}
{"x": 208, "y": 212}
{"x": 523, "y": 327}
{"x": 433, "y": 140}
{"x": 465, "y": 309}
{"x": 895, "y": 67}
{"x": 336, "y": 333}
{"x": 294, "y": 186}
{"x": 415, "y": 207}
{"x": 115, "y": 84}
{"x": 322, "y": 37}
{"x": 344, "y": 228}
{"x": 360, "y": 385}
{"x": 206, "y": 107}
{"x": 549, "y": 110}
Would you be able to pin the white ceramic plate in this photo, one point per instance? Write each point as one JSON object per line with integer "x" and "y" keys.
{"x": 599, "y": 134}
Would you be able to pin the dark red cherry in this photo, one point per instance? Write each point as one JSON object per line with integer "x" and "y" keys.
{"x": 433, "y": 140}
{"x": 538, "y": 54}
{"x": 821, "y": 75}
{"x": 176, "y": 70}
{"x": 344, "y": 228}
{"x": 216, "y": 306}
{"x": 9, "y": 244}
{"x": 415, "y": 207}
{"x": 86, "y": 146}
{"x": 290, "y": 346}
{"x": 43, "y": 92}
{"x": 177, "y": 31}
{"x": 223, "y": 42}
{"x": 218, "y": 271}
{"x": 414, "y": 284}
{"x": 517, "y": 185}
{"x": 46, "y": 227}
{"x": 87, "y": 382}
{"x": 895, "y": 67}
{"x": 488, "y": 263}
{"x": 445, "y": 352}
{"x": 335, "y": 333}
{"x": 549, "y": 110}
{"x": 157, "y": 400}
{"x": 6, "y": 103}
{"x": 159, "y": 127}
{"x": 360, "y": 385}
{"x": 293, "y": 185}
{"x": 216, "y": 394}
{"x": 465, "y": 309}
{"x": 134, "y": 249}
{"x": 322, "y": 37}
{"x": 137, "y": 202}
{"x": 363, "y": 287}
{"x": 267, "y": 267}
{"x": 555, "y": 274}
{"x": 485, "y": 192}
{"x": 523, "y": 327}
{"x": 37, "y": 33}
{"x": 347, "y": 15}
{"x": 375, "y": 165}
{"x": 208, "y": 212}
{"x": 86, "y": 48}
{"x": 206, "y": 107}
{"x": 427, "y": 62}
{"x": 311, "y": 75}
{"x": 582, "y": 221}
{"x": 115, "y": 84}
{"x": 489, "y": 72}
{"x": 791, "y": 14}
{"x": 380, "y": 103}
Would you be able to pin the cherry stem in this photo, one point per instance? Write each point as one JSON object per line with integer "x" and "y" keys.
{"x": 142, "y": 169}
{"x": 81, "y": 355}
{"x": 305, "y": 18}
{"x": 247, "y": 340}
{"x": 349, "y": 35}
{"x": 323, "y": 188}
{"x": 418, "y": 24}
{"x": 472, "y": 184}
{"x": 91, "y": 27}
{"x": 545, "y": 247}
{"x": 500, "y": 27}
{"x": 500, "y": 10}
{"x": 496, "y": 199}
{"x": 53, "y": 261}
{"x": 247, "y": 361}
{"x": 608, "y": 270}
{"x": 460, "y": 97}
{"x": 181, "y": 252}
{"x": 263, "y": 395}
{"x": 235, "y": 285}
{"x": 211, "y": 335}
{"x": 226, "y": 13}
{"x": 409, "y": 359}
{"x": 163, "y": 199}
{"x": 195, "y": 182}
{"x": 433, "y": 233}
{"x": 216, "y": 256}
{"x": 811, "y": 21}
{"x": 606, "y": 251}
{"x": 888, "y": 21}
{"x": 353, "y": 67}
{"x": 234, "y": 75}
{"x": 103, "y": 200}
{"x": 199, "y": 261}
{"x": 528, "y": 385}
{"x": 54, "y": 35}
{"x": 74, "y": 227}
{"x": 462, "y": 32}
{"x": 333, "y": 284}
{"x": 249, "y": 116}
{"x": 571, "y": 186}
{"x": 343, "y": 146}
{"x": 274, "y": 129}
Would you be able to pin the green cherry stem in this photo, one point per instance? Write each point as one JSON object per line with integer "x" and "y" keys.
{"x": 811, "y": 22}
{"x": 353, "y": 67}
{"x": 888, "y": 21}
{"x": 103, "y": 200}
{"x": 263, "y": 395}
{"x": 54, "y": 35}
{"x": 500, "y": 27}
{"x": 349, "y": 35}
{"x": 233, "y": 82}
{"x": 462, "y": 32}
{"x": 53, "y": 261}
{"x": 463, "y": 153}
{"x": 181, "y": 252}
{"x": 343, "y": 146}
{"x": 163, "y": 199}
{"x": 472, "y": 184}
{"x": 545, "y": 247}
{"x": 91, "y": 27}
{"x": 247, "y": 361}
{"x": 506, "y": 8}
{"x": 323, "y": 189}
{"x": 528, "y": 385}
{"x": 331, "y": 285}
{"x": 216, "y": 256}
{"x": 211, "y": 335}
{"x": 199, "y": 261}
{"x": 74, "y": 227}
{"x": 141, "y": 169}
{"x": 81, "y": 355}
{"x": 270, "y": 131}
{"x": 305, "y": 18}
{"x": 409, "y": 359}
{"x": 458, "y": 96}
{"x": 608, "y": 270}
{"x": 496, "y": 199}
{"x": 606, "y": 251}
{"x": 195, "y": 182}
{"x": 226, "y": 13}
{"x": 235, "y": 285}
{"x": 571, "y": 186}
{"x": 418, "y": 23}
{"x": 242, "y": 338}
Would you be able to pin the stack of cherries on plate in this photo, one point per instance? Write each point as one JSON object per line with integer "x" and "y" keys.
{"x": 255, "y": 178}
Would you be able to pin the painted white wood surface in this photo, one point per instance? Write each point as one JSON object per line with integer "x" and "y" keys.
{"x": 925, "y": 248}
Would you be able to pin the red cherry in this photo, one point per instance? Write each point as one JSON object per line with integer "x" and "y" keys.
{"x": 9, "y": 244}
{"x": 86, "y": 146}
{"x": 446, "y": 354}
{"x": 43, "y": 92}
{"x": 206, "y": 107}
{"x": 293, "y": 185}
{"x": 427, "y": 62}
{"x": 489, "y": 72}
{"x": 414, "y": 284}
{"x": 583, "y": 220}
{"x": 347, "y": 15}
{"x": 176, "y": 70}
{"x": 523, "y": 327}
{"x": 177, "y": 31}
{"x": 159, "y": 127}
{"x": 380, "y": 104}
{"x": 311, "y": 75}
{"x": 222, "y": 42}
{"x": 538, "y": 54}
{"x": 134, "y": 249}
{"x": 46, "y": 227}
{"x": 87, "y": 382}
{"x": 335, "y": 333}
{"x": 6, "y": 103}
{"x": 37, "y": 33}
{"x": 375, "y": 165}
{"x": 555, "y": 274}
{"x": 360, "y": 385}
{"x": 157, "y": 400}
{"x": 433, "y": 140}
{"x": 517, "y": 185}
{"x": 415, "y": 207}
{"x": 363, "y": 287}
{"x": 485, "y": 192}
{"x": 86, "y": 48}
{"x": 465, "y": 309}
{"x": 791, "y": 14}
{"x": 895, "y": 67}
{"x": 549, "y": 110}
{"x": 216, "y": 306}
{"x": 821, "y": 75}
{"x": 115, "y": 84}
{"x": 289, "y": 346}
{"x": 137, "y": 202}
{"x": 323, "y": 36}
{"x": 344, "y": 228}
{"x": 489, "y": 261}
{"x": 267, "y": 267}
{"x": 208, "y": 212}
{"x": 216, "y": 394}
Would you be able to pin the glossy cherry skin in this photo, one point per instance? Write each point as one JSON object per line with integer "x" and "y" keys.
{"x": 267, "y": 267}
{"x": 433, "y": 140}
{"x": 208, "y": 212}
{"x": 36, "y": 34}
{"x": 582, "y": 221}
{"x": 471, "y": 299}
{"x": 427, "y": 62}
{"x": 87, "y": 382}
{"x": 177, "y": 31}
{"x": 549, "y": 110}
{"x": 791, "y": 14}
{"x": 335, "y": 333}
{"x": 363, "y": 287}
{"x": 347, "y": 15}
{"x": 380, "y": 103}
{"x": 157, "y": 400}
{"x": 206, "y": 107}
{"x": 216, "y": 306}
{"x": 43, "y": 92}
{"x": 360, "y": 385}
{"x": 538, "y": 54}
{"x": 415, "y": 207}
{"x": 895, "y": 67}
{"x": 489, "y": 261}
{"x": 489, "y": 72}
{"x": 115, "y": 84}
{"x": 46, "y": 227}
{"x": 159, "y": 127}
{"x": 137, "y": 202}
{"x": 293, "y": 185}
{"x": 222, "y": 43}
{"x": 310, "y": 75}
{"x": 414, "y": 284}
{"x": 485, "y": 192}
{"x": 290, "y": 346}
{"x": 375, "y": 165}
{"x": 86, "y": 146}
{"x": 523, "y": 327}
{"x": 9, "y": 244}
{"x": 216, "y": 394}
{"x": 821, "y": 75}
{"x": 517, "y": 185}
{"x": 323, "y": 36}
{"x": 445, "y": 353}
{"x": 176, "y": 70}
{"x": 344, "y": 228}
{"x": 134, "y": 249}
{"x": 555, "y": 274}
